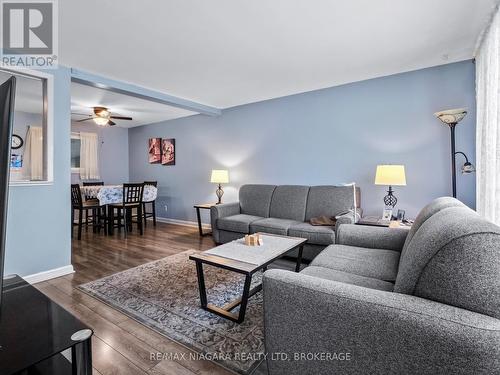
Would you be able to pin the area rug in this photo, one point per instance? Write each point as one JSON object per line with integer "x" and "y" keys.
{"x": 163, "y": 295}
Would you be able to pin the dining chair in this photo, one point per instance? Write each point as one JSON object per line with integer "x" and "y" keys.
{"x": 97, "y": 183}
{"x": 132, "y": 199}
{"x": 151, "y": 213}
{"x": 77, "y": 203}
{"x": 89, "y": 198}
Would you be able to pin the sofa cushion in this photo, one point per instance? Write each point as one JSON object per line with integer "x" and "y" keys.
{"x": 348, "y": 278}
{"x": 454, "y": 258}
{"x": 272, "y": 225}
{"x": 289, "y": 202}
{"x": 317, "y": 235}
{"x": 427, "y": 212}
{"x": 330, "y": 201}
{"x": 237, "y": 223}
{"x": 256, "y": 199}
{"x": 376, "y": 263}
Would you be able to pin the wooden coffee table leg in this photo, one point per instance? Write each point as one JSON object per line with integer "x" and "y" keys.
{"x": 225, "y": 311}
{"x": 201, "y": 284}
{"x": 299, "y": 259}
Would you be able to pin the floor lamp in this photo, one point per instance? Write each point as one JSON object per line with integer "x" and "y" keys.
{"x": 451, "y": 118}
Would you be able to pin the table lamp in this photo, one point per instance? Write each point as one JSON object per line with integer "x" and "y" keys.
{"x": 219, "y": 176}
{"x": 390, "y": 175}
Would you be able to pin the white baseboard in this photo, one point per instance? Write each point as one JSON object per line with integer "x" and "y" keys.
{"x": 50, "y": 274}
{"x": 182, "y": 222}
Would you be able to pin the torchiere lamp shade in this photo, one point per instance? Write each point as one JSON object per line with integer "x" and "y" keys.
{"x": 390, "y": 175}
{"x": 219, "y": 176}
{"x": 451, "y": 116}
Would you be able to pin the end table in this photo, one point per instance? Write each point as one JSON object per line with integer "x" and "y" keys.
{"x": 376, "y": 221}
{"x": 198, "y": 207}
{"x": 35, "y": 331}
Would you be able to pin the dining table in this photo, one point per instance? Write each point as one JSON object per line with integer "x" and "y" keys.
{"x": 113, "y": 194}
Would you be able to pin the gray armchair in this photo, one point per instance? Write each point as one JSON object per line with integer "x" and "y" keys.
{"x": 383, "y": 301}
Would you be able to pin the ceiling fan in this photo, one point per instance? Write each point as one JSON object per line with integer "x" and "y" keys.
{"x": 102, "y": 116}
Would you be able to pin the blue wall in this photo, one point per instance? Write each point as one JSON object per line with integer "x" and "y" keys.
{"x": 38, "y": 226}
{"x": 322, "y": 137}
{"x": 113, "y": 148}
{"x": 327, "y": 136}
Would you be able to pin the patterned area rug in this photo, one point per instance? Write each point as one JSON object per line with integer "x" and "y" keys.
{"x": 164, "y": 296}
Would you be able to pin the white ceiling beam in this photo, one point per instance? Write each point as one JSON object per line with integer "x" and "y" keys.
{"x": 125, "y": 88}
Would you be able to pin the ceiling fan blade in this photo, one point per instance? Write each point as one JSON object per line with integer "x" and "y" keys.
{"x": 85, "y": 119}
{"x": 80, "y": 114}
{"x": 121, "y": 117}
{"x": 111, "y": 123}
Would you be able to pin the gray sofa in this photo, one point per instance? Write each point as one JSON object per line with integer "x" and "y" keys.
{"x": 423, "y": 301}
{"x": 284, "y": 210}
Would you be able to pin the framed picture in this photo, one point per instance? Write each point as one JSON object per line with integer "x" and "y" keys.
{"x": 168, "y": 151}
{"x": 154, "y": 150}
{"x": 16, "y": 161}
{"x": 387, "y": 214}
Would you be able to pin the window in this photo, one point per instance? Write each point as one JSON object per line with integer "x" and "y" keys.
{"x": 31, "y": 148}
{"x": 75, "y": 153}
{"x": 84, "y": 155}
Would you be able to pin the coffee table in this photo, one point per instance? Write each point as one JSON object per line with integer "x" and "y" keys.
{"x": 247, "y": 260}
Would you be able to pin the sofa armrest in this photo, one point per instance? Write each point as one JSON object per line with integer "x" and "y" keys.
{"x": 348, "y": 219}
{"x": 356, "y": 330}
{"x": 371, "y": 237}
{"x": 222, "y": 210}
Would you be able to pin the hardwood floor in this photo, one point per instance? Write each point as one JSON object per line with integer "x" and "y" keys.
{"x": 120, "y": 345}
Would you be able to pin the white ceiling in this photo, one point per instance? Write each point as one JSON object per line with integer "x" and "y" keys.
{"x": 83, "y": 98}
{"x": 230, "y": 52}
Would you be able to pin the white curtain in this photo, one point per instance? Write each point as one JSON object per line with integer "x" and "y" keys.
{"x": 33, "y": 154}
{"x": 89, "y": 165}
{"x": 488, "y": 128}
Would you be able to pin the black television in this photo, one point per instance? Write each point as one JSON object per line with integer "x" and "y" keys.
{"x": 7, "y": 96}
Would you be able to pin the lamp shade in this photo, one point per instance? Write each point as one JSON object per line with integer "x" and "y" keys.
{"x": 451, "y": 116}
{"x": 390, "y": 175}
{"x": 219, "y": 176}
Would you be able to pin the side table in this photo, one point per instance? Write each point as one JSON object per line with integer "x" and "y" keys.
{"x": 198, "y": 207}
{"x": 376, "y": 221}
{"x": 34, "y": 331}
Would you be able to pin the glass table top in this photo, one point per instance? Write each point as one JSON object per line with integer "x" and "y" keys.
{"x": 32, "y": 327}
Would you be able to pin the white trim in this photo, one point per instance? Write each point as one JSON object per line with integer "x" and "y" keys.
{"x": 50, "y": 274}
{"x": 185, "y": 223}
{"x": 31, "y": 183}
{"x": 50, "y": 128}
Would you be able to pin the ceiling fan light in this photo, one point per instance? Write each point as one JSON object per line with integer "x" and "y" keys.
{"x": 101, "y": 121}
{"x": 104, "y": 113}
